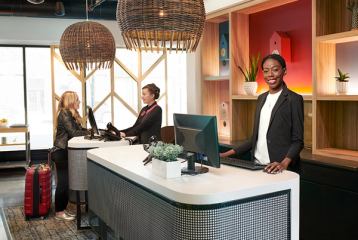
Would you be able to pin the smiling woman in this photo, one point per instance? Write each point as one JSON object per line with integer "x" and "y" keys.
{"x": 277, "y": 137}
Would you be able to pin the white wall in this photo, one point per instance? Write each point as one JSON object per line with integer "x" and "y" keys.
{"x": 43, "y": 31}
{"x": 216, "y": 5}
{"x": 194, "y": 82}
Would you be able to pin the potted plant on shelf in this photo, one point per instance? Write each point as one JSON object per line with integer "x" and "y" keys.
{"x": 342, "y": 82}
{"x": 250, "y": 74}
{"x": 3, "y": 122}
{"x": 352, "y": 5}
{"x": 164, "y": 159}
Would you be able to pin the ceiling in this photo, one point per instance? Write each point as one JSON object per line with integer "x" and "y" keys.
{"x": 74, "y": 9}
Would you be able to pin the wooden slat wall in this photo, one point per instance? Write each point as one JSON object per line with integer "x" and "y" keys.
{"x": 332, "y": 17}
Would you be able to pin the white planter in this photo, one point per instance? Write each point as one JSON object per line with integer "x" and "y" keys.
{"x": 250, "y": 88}
{"x": 341, "y": 87}
{"x": 166, "y": 169}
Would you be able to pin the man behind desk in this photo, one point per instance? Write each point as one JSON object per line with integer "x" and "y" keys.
{"x": 277, "y": 137}
{"x": 149, "y": 121}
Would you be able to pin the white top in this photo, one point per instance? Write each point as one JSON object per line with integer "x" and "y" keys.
{"x": 219, "y": 185}
{"x": 261, "y": 150}
{"x": 81, "y": 142}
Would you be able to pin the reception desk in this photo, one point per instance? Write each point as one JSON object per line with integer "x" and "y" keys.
{"x": 225, "y": 203}
{"x": 77, "y": 166}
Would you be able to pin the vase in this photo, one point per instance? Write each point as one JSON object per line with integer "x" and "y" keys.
{"x": 250, "y": 88}
{"x": 166, "y": 169}
{"x": 341, "y": 87}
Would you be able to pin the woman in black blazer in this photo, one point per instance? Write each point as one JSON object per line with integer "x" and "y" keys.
{"x": 278, "y": 128}
{"x": 149, "y": 121}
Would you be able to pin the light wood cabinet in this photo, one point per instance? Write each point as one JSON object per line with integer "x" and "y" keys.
{"x": 335, "y": 116}
{"x": 331, "y": 120}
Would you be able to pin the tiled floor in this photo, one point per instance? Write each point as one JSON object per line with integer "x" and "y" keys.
{"x": 12, "y": 184}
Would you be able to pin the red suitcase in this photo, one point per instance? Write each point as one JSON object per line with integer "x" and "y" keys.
{"x": 37, "y": 199}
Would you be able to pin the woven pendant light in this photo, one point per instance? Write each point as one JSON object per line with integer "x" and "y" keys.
{"x": 87, "y": 45}
{"x": 148, "y": 24}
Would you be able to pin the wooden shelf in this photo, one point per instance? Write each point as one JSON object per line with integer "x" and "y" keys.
{"x": 338, "y": 153}
{"x": 244, "y": 97}
{"x": 307, "y": 97}
{"x": 12, "y": 144}
{"x": 217, "y": 78}
{"x": 13, "y": 130}
{"x": 342, "y": 37}
{"x": 337, "y": 97}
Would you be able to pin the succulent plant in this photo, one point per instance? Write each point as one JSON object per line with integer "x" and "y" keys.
{"x": 343, "y": 77}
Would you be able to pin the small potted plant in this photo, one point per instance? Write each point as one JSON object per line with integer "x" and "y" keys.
{"x": 3, "y": 122}
{"x": 342, "y": 82}
{"x": 164, "y": 159}
{"x": 250, "y": 74}
{"x": 352, "y": 5}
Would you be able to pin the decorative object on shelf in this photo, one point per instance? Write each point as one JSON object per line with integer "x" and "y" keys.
{"x": 164, "y": 162}
{"x": 3, "y": 122}
{"x": 87, "y": 45}
{"x": 342, "y": 82}
{"x": 157, "y": 24}
{"x": 280, "y": 43}
{"x": 59, "y": 9}
{"x": 250, "y": 74}
{"x": 224, "y": 48}
{"x": 352, "y": 5}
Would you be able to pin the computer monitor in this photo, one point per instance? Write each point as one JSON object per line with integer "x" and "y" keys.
{"x": 199, "y": 137}
{"x": 92, "y": 121}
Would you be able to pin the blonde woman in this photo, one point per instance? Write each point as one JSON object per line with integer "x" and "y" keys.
{"x": 68, "y": 126}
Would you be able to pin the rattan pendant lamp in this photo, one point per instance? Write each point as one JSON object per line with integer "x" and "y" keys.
{"x": 87, "y": 45}
{"x": 154, "y": 24}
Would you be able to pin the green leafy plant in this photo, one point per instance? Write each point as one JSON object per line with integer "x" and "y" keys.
{"x": 165, "y": 152}
{"x": 343, "y": 77}
{"x": 250, "y": 73}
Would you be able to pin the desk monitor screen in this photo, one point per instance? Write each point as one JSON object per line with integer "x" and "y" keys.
{"x": 92, "y": 121}
{"x": 198, "y": 135}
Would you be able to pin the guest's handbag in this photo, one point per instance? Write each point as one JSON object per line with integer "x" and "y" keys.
{"x": 37, "y": 198}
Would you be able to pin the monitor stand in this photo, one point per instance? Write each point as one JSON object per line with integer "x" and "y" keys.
{"x": 191, "y": 169}
{"x": 92, "y": 136}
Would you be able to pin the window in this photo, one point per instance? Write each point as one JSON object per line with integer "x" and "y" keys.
{"x": 39, "y": 98}
{"x": 12, "y": 105}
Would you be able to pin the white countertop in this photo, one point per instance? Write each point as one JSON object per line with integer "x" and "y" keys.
{"x": 81, "y": 142}
{"x": 217, "y": 186}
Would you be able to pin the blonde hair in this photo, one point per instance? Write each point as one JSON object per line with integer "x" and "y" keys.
{"x": 68, "y": 102}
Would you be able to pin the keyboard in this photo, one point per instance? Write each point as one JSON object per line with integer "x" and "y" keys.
{"x": 241, "y": 163}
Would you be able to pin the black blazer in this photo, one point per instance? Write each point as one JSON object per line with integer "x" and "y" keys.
{"x": 285, "y": 131}
{"x": 67, "y": 128}
{"x": 149, "y": 123}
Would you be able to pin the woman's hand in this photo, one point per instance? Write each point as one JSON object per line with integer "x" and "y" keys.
{"x": 122, "y": 134}
{"x": 277, "y": 167}
{"x": 227, "y": 153}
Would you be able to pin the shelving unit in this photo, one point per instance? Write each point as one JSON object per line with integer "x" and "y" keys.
{"x": 215, "y": 88}
{"x": 241, "y": 106}
{"x": 26, "y": 132}
{"x": 335, "y": 116}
